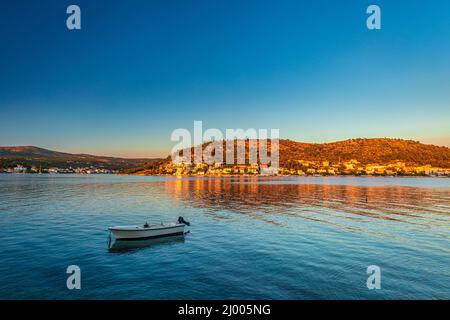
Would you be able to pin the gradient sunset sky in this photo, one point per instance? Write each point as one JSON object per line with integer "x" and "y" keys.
{"x": 140, "y": 69}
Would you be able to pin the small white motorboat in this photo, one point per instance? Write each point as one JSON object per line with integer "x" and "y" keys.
{"x": 149, "y": 231}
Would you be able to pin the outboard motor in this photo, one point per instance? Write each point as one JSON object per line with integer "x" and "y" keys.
{"x": 181, "y": 220}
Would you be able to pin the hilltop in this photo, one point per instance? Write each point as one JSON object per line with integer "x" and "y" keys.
{"x": 376, "y": 150}
{"x": 39, "y": 157}
{"x": 407, "y": 155}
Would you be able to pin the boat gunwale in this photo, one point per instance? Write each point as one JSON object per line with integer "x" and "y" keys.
{"x": 140, "y": 228}
{"x": 152, "y": 237}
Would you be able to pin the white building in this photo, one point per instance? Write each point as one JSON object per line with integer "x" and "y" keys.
{"x": 20, "y": 169}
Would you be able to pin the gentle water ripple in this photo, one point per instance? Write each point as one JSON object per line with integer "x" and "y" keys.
{"x": 267, "y": 238}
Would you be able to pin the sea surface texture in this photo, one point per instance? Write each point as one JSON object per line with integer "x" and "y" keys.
{"x": 250, "y": 238}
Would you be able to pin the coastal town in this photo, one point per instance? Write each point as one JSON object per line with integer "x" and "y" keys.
{"x": 33, "y": 169}
{"x": 297, "y": 168}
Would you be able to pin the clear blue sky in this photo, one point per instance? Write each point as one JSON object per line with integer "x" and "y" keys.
{"x": 139, "y": 69}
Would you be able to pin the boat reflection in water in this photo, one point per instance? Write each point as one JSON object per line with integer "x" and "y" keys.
{"x": 123, "y": 246}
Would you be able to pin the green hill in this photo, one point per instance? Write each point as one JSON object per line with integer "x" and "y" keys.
{"x": 378, "y": 150}
{"x": 39, "y": 157}
{"x": 366, "y": 151}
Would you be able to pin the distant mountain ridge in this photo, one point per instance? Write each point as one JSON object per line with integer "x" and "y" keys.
{"x": 30, "y": 151}
{"x": 35, "y": 156}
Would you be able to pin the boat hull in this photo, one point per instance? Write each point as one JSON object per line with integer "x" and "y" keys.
{"x": 127, "y": 233}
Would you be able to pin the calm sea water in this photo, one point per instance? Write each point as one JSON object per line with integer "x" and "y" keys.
{"x": 266, "y": 238}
